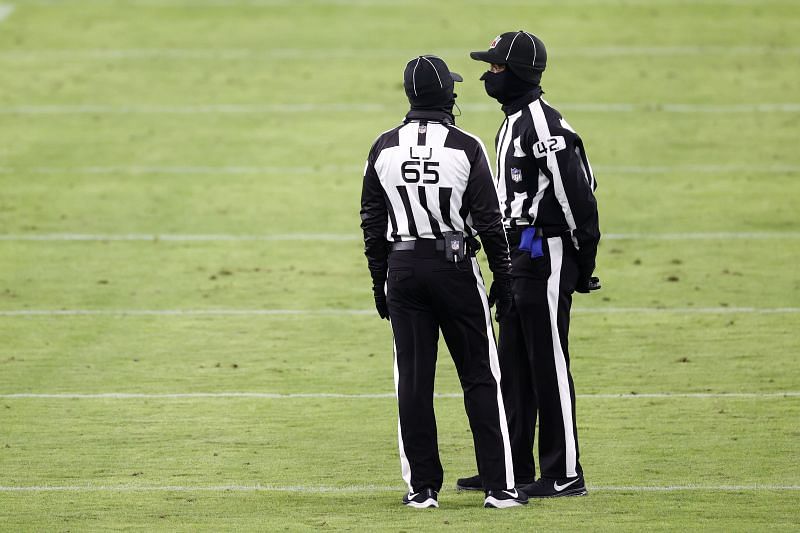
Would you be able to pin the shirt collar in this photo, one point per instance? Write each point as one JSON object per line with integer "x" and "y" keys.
{"x": 523, "y": 101}
{"x": 429, "y": 114}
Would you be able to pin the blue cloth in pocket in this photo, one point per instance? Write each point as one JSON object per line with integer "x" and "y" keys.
{"x": 530, "y": 242}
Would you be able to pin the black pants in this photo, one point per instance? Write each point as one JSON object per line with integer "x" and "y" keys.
{"x": 534, "y": 360}
{"x": 426, "y": 293}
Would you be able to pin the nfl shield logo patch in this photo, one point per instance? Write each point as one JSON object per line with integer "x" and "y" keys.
{"x": 494, "y": 42}
{"x": 423, "y": 128}
{"x": 516, "y": 175}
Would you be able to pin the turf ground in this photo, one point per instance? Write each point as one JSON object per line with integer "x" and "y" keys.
{"x": 179, "y": 224}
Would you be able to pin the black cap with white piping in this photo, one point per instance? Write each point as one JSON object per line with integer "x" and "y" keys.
{"x": 427, "y": 81}
{"x": 523, "y": 52}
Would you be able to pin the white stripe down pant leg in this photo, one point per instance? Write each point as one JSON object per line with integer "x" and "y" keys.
{"x": 543, "y": 288}
{"x": 426, "y": 293}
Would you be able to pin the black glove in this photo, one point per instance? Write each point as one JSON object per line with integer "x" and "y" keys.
{"x": 380, "y": 303}
{"x": 500, "y": 294}
{"x": 587, "y": 284}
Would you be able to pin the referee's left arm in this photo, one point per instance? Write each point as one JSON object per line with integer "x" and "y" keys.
{"x": 374, "y": 223}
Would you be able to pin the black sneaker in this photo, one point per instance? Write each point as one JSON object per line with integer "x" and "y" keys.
{"x": 555, "y": 488}
{"x": 501, "y": 499}
{"x": 469, "y": 483}
{"x": 422, "y": 499}
{"x": 475, "y": 483}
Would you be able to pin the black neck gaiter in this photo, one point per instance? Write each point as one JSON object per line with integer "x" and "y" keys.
{"x": 505, "y": 87}
{"x": 442, "y": 101}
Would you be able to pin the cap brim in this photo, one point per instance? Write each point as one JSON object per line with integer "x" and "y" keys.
{"x": 456, "y": 76}
{"x": 489, "y": 56}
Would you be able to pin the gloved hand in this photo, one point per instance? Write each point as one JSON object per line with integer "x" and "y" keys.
{"x": 380, "y": 302}
{"x": 587, "y": 284}
{"x": 501, "y": 296}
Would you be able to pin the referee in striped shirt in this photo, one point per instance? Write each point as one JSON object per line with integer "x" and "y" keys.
{"x": 546, "y": 190}
{"x": 427, "y": 193}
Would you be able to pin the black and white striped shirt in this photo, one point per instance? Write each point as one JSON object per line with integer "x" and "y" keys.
{"x": 426, "y": 177}
{"x": 544, "y": 178}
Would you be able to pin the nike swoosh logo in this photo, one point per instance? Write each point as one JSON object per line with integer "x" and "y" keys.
{"x": 512, "y": 494}
{"x": 559, "y": 488}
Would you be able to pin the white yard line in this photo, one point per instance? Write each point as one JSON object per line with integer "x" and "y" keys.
{"x": 321, "y": 489}
{"x": 332, "y": 54}
{"x": 225, "y": 237}
{"x": 399, "y": 3}
{"x": 5, "y": 11}
{"x": 309, "y": 169}
{"x": 370, "y": 312}
{"x": 333, "y": 107}
{"x": 369, "y": 396}
{"x": 184, "y": 312}
{"x": 696, "y": 169}
{"x": 703, "y": 235}
{"x": 241, "y": 169}
{"x": 181, "y": 237}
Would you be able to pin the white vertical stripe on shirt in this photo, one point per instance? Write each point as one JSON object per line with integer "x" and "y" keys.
{"x": 543, "y": 133}
{"x": 544, "y": 181}
{"x": 502, "y": 150}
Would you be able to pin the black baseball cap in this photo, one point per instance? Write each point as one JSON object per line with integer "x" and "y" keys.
{"x": 523, "y": 52}
{"x": 428, "y": 75}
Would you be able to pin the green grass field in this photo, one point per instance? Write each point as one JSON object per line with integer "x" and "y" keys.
{"x": 179, "y": 195}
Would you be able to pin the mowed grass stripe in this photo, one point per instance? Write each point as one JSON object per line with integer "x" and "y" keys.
{"x": 382, "y": 512}
{"x": 291, "y": 354}
{"x": 332, "y": 275}
{"x": 246, "y": 442}
{"x": 278, "y": 139}
{"x": 257, "y": 80}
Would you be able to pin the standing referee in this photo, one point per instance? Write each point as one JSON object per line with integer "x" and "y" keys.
{"x": 428, "y": 191}
{"x": 546, "y": 190}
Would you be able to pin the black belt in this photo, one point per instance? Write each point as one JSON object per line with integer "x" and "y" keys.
{"x": 514, "y": 234}
{"x": 547, "y": 231}
{"x": 436, "y": 245}
{"x": 432, "y": 246}
{"x": 520, "y": 229}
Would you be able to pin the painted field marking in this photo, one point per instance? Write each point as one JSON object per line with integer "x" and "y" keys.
{"x": 401, "y": 3}
{"x": 370, "y": 312}
{"x": 225, "y": 237}
{"x": 224, "y": 169}
{"x": 298, "y": 108}
{"x": 347, "y": 489}
{"x": 332, "y": 54}
{"x": 181, "y": 237}
{"x": 309, "y": 169}
{"x": 368, "y": 396}
{"x": 5, "y": 11}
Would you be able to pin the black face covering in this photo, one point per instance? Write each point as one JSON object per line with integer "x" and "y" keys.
{"x": 505, "y": 87}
